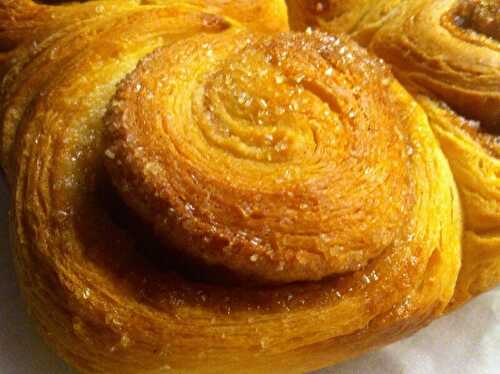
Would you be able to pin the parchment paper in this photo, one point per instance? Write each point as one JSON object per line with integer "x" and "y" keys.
{"x": 467, "y": 341}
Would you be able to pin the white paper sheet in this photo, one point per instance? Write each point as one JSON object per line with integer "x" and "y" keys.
{"x": 467, "y": 341}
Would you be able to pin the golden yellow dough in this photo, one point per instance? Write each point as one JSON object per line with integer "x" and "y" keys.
{"x": 195, "y": 191}
{"x": 447, "y": 53}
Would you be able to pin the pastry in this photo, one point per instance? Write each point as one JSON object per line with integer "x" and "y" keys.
{"x": 195, "y": 190}
{"x": 447, "y": 54}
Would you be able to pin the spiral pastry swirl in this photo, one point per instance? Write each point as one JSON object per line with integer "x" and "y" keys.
{"x": 192, "y": 192}
{"x": 447, "y": 53}
{"x": 244, "y": 167}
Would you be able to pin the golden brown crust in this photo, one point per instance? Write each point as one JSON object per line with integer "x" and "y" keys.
{"x": 358, "y": 17}
{"x": 447, "y": 53}
{"x": 98, "y": 280}
{"x": 27, "y": 20}
{"x": 260, "y": 177}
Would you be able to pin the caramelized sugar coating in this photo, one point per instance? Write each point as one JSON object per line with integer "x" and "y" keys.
{"x": 368, "y": 189}
{"x": 447, "y": 47}
{"x": 447, "y": 53}
{"x": 264, "y": 156}
{"x": 27, "y": 20}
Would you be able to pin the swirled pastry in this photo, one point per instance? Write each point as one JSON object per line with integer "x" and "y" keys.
{"x": 194, "y": 192}
{"x": 245, "y": 167}
{"x": 448, "y": 54}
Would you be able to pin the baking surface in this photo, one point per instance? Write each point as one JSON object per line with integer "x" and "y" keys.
{"x": 467, "y": 341}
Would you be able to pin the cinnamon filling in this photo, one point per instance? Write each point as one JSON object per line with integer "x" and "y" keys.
{"x": 481, "y": 16}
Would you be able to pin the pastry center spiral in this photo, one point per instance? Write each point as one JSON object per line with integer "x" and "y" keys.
{"x": 280, "y": 158}
{"x": 257, "y": 113}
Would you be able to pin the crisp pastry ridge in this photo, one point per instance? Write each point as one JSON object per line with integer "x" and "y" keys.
{"x": 300, "y": 231}
{"x": 447, "y": 53}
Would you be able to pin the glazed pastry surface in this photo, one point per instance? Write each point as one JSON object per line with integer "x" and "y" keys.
{"x": 447, "y": 54}
{"x": 196, "y": 188}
